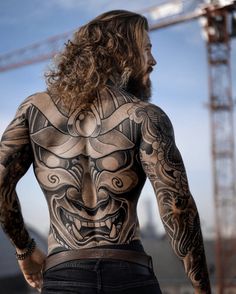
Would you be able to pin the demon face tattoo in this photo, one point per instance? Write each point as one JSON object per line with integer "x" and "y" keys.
{"x": 88, "y": 167}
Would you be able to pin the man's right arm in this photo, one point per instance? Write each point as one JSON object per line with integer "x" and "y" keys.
{"x": 15, "y": 159}
{"x": 162, "y": 163}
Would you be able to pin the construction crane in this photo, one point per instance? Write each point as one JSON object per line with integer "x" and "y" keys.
{"x": 222, "y": 134}
{"x": 217, "y": 15}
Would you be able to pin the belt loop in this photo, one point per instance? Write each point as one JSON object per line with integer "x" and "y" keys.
{"x": 97, "y": 264}
{"x": 150, "y": 264}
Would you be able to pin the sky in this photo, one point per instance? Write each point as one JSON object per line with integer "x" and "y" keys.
{"x": 180, "y": 88}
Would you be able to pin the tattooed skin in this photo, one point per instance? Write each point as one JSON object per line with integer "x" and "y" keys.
{"x": 91, "y": 165}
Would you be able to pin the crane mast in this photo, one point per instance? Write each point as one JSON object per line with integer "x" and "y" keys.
{"x": 222, "y": 141}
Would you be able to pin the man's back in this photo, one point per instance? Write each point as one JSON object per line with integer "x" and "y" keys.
{"x": 92, "y": 165}
{"x": 88, "y": 166}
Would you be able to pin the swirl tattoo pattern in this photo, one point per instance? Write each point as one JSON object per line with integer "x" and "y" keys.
{"x": 91, "y": 165}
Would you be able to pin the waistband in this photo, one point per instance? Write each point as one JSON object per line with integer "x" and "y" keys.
{"x": 95, "y": 253}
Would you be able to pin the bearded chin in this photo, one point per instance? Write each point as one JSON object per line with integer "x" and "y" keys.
{"x": 140, "y": 87}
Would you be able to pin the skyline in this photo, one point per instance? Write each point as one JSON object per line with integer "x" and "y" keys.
{"x": 179, "y": 87}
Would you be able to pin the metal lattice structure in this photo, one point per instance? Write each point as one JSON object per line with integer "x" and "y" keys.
{"x": 37, "y": 52}
{"x": 223, "y": 149}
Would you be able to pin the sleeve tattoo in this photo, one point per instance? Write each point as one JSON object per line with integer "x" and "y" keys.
{"x": 15, "y": 159}
{"x": 162, "y": 163}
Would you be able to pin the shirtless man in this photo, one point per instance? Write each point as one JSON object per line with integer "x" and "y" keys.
{"x": 93, "y": 138}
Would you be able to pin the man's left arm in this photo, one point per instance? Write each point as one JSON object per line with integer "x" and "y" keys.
{"x": 163, "y": 164}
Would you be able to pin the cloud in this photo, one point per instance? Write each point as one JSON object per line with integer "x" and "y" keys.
{"x": 22, "y": 13}
{"x": 8, "y": 21}
{"x": 102, "y": 5}
{"x": 71, "y": 4}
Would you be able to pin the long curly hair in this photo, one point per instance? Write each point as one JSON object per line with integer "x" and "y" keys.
{"x": 108, "y": 47}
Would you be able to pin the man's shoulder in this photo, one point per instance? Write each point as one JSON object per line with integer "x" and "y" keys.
{"x": 40, "y": 100}
{"x": 138, "y": 108}
{"x": 130, "y": 98}
{"x": 152, "y": 111}
{"x": 38, "y": 96}
{"x": 154, "y": 118}
{"x": 27, "y": 103}
{"x": 149, "y": 106}
{"x": 34, "y": 99}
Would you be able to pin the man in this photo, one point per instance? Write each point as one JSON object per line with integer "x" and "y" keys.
{"x": 93, "y": 138}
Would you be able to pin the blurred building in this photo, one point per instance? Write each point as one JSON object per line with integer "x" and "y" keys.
{"x": 169, "y": 269}
{"x": 11, "y": 279}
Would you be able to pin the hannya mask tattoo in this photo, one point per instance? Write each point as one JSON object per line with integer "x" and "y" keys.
{"x": 88, "y": 167}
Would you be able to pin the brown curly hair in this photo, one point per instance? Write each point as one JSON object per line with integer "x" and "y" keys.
{"x": 108, "y": 47}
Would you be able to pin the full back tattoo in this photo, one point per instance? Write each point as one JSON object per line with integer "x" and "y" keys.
{"x": 91, "y": 165}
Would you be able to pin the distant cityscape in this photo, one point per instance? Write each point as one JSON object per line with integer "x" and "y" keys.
{"x": 168, "y": 268}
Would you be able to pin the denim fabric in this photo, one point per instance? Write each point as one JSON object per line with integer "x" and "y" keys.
{"x": 100, "y": 276}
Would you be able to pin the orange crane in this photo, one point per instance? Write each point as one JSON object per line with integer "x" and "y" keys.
{"x": 217, "y": 15}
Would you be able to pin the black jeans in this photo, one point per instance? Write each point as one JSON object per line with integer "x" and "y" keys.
{"x": 100, "y": 276}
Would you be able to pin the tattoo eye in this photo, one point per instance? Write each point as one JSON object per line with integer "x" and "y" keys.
{"x": 113, "y": 162}
{"x": 72, "y": 193}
